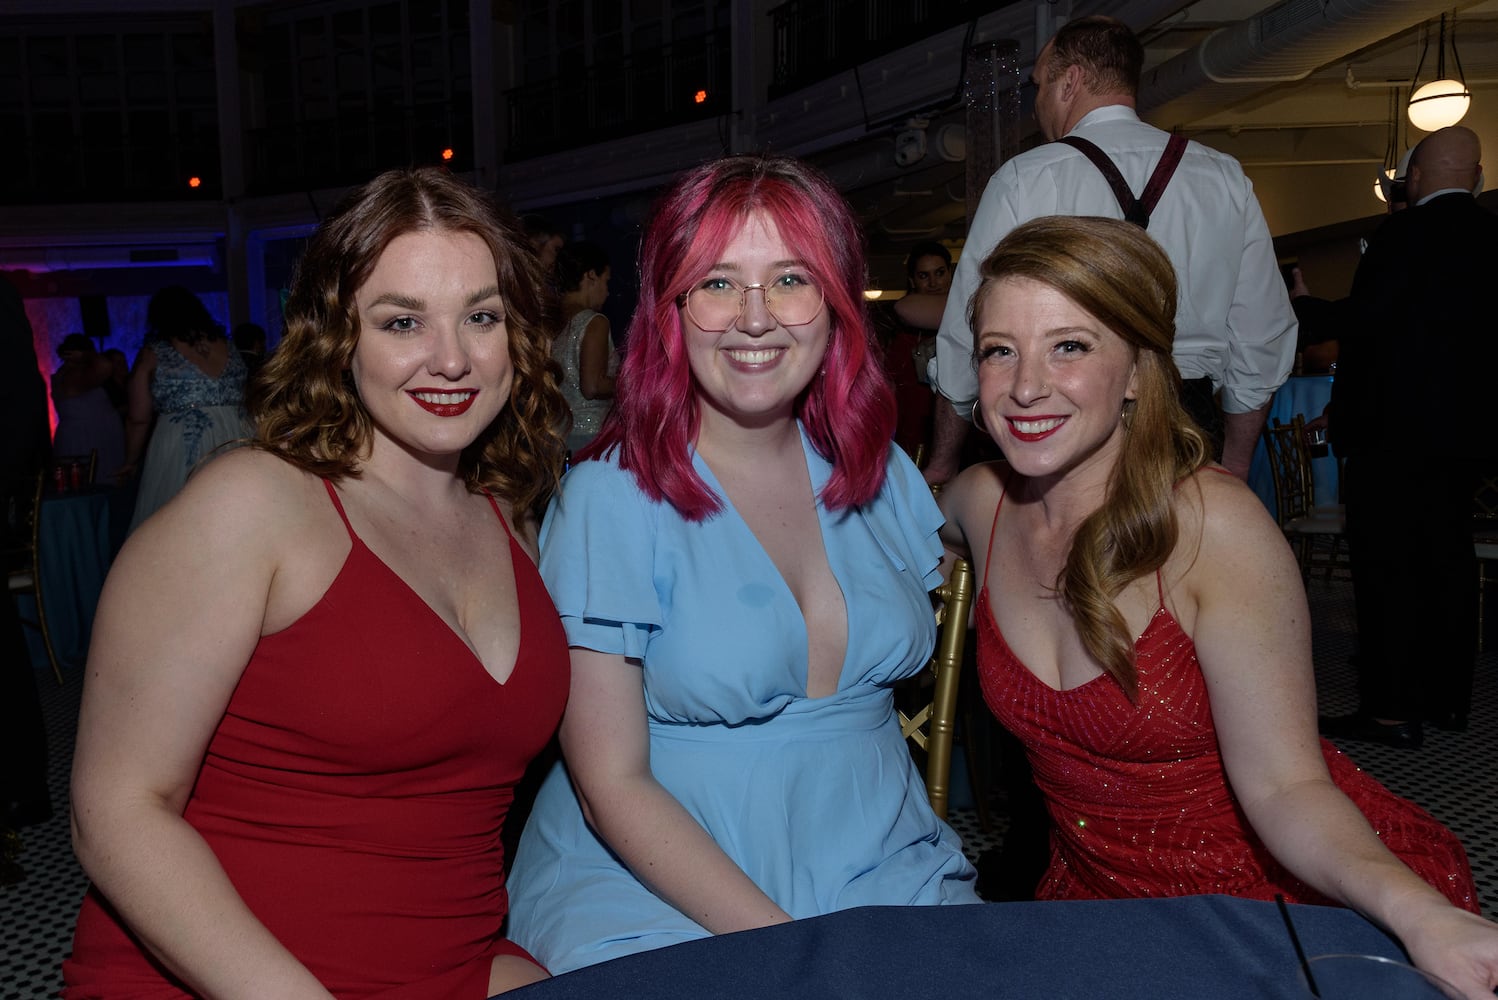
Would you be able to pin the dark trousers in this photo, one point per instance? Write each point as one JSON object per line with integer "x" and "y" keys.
{"x": 1201, "y": 402}
{"x": 23, "y": 738}
{"x": 1414, "y": 573}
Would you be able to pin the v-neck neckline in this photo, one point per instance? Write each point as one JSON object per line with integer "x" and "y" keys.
{"x": 818, "y": 472}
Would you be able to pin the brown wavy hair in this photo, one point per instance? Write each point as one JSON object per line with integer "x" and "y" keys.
{"x": 303, "y": 398}
{"x": 1119, "y": 275}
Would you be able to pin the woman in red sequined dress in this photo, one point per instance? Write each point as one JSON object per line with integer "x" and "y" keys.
{"x": 1143, "y": 629}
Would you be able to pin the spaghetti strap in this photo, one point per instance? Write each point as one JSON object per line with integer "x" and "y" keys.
{"x": 992, "y": 530}
{"x": 338, "y": 506}
{"x": 1160, "y": 586}
{"x": 497, "y": 513}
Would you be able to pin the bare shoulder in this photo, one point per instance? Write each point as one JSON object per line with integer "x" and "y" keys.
{"x": 247, "y": 501}
{"x": 975, "y": 490}
{"x": 1226, "y": 536}
{"x": 1222, "y": 510}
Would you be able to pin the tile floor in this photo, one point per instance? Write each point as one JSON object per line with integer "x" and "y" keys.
{"x": 1453, "y": 777}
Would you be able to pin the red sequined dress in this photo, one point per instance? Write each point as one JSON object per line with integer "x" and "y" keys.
{"x": 1138, "y": 798}
{"x": 355, "y": 791}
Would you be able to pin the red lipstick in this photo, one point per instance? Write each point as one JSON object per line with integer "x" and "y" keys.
{"x": 453, "y": 409}
{"x": 1031, "y": 436}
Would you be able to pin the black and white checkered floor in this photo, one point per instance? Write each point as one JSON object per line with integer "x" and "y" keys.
{"x": 1452, "y": 777}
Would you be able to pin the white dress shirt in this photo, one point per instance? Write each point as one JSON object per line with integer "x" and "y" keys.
{"x": 1233, "y": 317}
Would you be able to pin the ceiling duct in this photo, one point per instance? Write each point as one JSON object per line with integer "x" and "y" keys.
{"x": 1285, "y": 43}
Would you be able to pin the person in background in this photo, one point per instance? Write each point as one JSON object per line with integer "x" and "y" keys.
{"x": 1237, "y": 331}
{"x": 1424, "y": 284}
{"x": 190, "y": 380}
{"x": 118, "y": 385}
{"x": 584, "y": 347}
{"x": 741, "y": 560}
{"x": 318, "y": 674}
{"x": 24, "y": 448}
{"x": 545, "y": 239}
{"x": 86, "y": 418}
{"x": 1185, "y": 760}
{"x": 907, "y": 331}
{"x": 249, "y": 341}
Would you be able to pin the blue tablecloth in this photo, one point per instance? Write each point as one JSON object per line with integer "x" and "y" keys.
{"x": 1192, "y": 948}
{"x": 76, "y": 547}
{"x": 1306, "y": 395}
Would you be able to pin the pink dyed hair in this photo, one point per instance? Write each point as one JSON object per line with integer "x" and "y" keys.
{"x": 848, "y": 410}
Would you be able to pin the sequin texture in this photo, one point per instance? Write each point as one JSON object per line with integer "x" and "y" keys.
{"x": 1139, "y": 800}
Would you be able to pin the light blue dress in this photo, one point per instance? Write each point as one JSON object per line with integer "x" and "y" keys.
{"x": 196, "y": 417}
{"x": 817, "y": 800}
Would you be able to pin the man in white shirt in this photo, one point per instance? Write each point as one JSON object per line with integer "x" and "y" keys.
{"x": 1235, "y": 331}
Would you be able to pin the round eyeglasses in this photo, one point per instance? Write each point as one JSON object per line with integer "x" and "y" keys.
{"x": 792, "y": 298}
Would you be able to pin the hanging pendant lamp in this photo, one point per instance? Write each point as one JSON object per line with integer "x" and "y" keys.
{"x": 1443, "y": 101}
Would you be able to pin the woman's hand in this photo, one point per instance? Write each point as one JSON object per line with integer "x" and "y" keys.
{"x": 1454, "y": 945}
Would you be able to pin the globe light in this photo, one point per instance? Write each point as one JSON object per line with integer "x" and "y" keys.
{"x": 1380, "y": 182}
{"x": 1439, "y": 104}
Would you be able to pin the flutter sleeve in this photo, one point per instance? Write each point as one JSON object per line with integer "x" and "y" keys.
{"x": 906, "y": 520}
{"x": 598, "y": 559}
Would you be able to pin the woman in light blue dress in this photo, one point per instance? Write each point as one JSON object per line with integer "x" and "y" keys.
{"x": 192, "y": 379}
{"x": 741, "y": 561}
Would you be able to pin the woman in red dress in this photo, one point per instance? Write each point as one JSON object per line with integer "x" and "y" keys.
{"x": 1143, "y": 629}
{"x": 319, "y": 671}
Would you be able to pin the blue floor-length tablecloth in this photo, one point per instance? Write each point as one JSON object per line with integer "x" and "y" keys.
{"x": 1306, "y": 395}
{"x": 1190, "y": 948}
{"x": 76, "y": 546}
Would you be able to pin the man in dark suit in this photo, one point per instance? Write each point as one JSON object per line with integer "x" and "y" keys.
{"x": 1413, "y": 414}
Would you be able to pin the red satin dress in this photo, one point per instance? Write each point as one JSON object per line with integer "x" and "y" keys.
{"x": 355, "y": 792}
{"x": 1137, "y": 794}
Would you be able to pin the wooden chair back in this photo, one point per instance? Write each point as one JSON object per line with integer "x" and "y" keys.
{"x": 1290, "y": 467}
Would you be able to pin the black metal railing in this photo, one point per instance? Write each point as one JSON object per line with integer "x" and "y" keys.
{"x": 682, "y": 81}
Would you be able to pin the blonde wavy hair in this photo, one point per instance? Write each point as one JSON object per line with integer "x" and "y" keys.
{"x": 303, "y": 399}
{"x": 1115, "y": 272}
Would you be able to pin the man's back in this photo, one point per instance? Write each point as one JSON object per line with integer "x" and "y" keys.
{"x": 1417, "y": 365}
{"x": 1208, "y": 222}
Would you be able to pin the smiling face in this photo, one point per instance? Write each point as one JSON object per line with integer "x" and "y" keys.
{"x": 432, "y": 362}
{"x": 1052, "y": 381}
{"x": 752, "y": 373}
{"x": 931, "y": 275}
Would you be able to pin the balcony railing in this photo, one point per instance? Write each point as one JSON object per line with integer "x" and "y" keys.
{"x": 816, "y": 39}
{"x": 683, "y": 81}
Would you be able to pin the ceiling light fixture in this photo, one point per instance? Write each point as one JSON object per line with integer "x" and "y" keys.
{"x": 1443, "y": 101}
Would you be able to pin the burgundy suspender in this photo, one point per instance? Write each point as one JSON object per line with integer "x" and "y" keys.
{"x": 1136, "y": 210}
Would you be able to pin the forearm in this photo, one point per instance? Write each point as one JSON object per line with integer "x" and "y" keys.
{"x": 1314, "y": 830}
{"x": 949, "y": 432}
{"x": 1240, "y": 437}
{"x": 677, "y": 859}
{"x": 170, "y": 890}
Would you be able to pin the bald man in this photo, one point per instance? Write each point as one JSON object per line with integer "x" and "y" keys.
{"x": 1413, "y": 415}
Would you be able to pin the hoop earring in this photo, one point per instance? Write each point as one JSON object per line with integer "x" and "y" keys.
{"x": 977, "y": 417}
